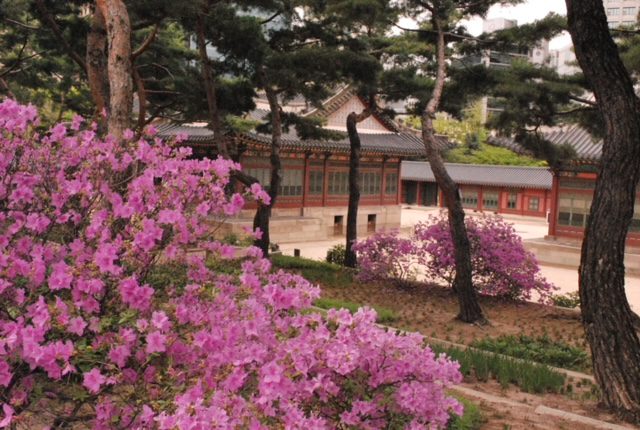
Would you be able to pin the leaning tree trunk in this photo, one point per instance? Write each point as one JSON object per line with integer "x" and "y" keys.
{"x": 116, "y": 19}
{"x": 354, "y": 185}
{"x": 97, "y": 65}
{"x": 470, "y": 310}
{"x": 261, "y": 219}
{"x": 208, "y": 81}
{"x": 606, "y": 315}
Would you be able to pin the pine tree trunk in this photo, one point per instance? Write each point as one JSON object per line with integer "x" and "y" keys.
{"x": 209, "y": 83}
{"x": 606, "y": 315}
{"x": 350, "y": 259}
{"x": 470, "y": 310}
{"x": 261, "y": 219}
{"x": 97, "y": 65}
{"x": 354, "y": 190}
{"x": 118, "y": 27}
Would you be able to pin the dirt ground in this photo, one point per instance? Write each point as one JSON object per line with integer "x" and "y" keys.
{"x": 431, "y": 310}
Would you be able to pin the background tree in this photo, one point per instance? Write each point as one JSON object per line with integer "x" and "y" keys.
{"x": 361, "y": 28}
{"x": 548, "y": 99}
{"x": 440, "y": 27}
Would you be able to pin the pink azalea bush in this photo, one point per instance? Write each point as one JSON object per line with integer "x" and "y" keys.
{"x": 501, "y": 265}
{"x": 89, "y": 335}
{"x": 385, "y": 256}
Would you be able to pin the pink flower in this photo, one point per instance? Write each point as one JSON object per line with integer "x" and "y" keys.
{"x": 160, "y": 321}
{"x": 134, "y": 295}
{"x": 5, "y": 373}
{"x": 76, "y": 122}
{"x": 8, "y": 415}
{"x": 60, "y": 277}
{"x": 76, "y": 326}
{"x": 155, "y": 342}
{"x": 93, "y": 380}
{"x": 150, "y": 234}
{"x": 105, "y": 257}
{"x": 119, "y": 355}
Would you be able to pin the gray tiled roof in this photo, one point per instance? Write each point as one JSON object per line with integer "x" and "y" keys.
{"x": 195, "y": 133}
{"x": 476, "y": 174}
{"x": 397, "y": 144}
{"x": 392, "y": 144}
{"x": 586, "y": 146}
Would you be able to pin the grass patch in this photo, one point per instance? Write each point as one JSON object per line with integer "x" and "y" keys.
{"x": 472, "y": 419}
{"x": 530, "y": 377}
{"x": 541, "y": 349}
{"x": 319, "y": 272}
{"x": 385, "y": 315}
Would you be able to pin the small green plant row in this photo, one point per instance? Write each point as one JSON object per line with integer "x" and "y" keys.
{"x": 541, "y": 349}
{"x": 481, "y": 365}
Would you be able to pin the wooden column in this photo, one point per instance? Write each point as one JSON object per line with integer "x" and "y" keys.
{"x": 305, "y": 182}
{"x": 383, "y": 180}
{"x": 325, "y": 178}
{"x": 399, "y": 193}
{"x": 555, "y": 184}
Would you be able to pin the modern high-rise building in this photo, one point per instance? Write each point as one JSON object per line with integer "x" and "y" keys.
{"x": 537, "y": 54}
{"x": 622, "y": 12}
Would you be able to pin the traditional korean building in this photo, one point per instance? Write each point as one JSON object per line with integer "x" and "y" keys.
{"x": 574, "y": 183}
{"x": 483, "y": 188}
{"x": 312, "y": 201}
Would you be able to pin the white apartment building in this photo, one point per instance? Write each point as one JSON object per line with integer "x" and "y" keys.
{"x": 564, "y": 60}
{"x": 621, "y": 12}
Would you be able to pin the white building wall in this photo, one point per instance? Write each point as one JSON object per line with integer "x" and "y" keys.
{"x": 621, "y": 12}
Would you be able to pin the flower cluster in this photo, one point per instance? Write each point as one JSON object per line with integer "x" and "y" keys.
{"x": 500, "y": 263}
{"x": 120, "y": 310}
{"x": 386, "y": 256}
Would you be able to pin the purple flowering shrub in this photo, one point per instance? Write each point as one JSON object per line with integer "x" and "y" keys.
{"x": 386, "y": 256}
{"x": 86, "y": 337}
{"x": 501, "y": 265}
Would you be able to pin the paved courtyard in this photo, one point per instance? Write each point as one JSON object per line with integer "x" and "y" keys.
{"x": 566, "y": 278}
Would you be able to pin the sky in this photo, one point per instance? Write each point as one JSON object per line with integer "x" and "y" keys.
{"x": 524, "y": 13}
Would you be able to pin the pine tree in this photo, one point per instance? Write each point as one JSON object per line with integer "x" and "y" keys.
{"x": 606, "y": 314}
{"x": 360, "y": 28}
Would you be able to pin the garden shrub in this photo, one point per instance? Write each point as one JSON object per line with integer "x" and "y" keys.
{"x": 336, "y": 255}
{"x": 385, "y": 256}
{"x": 501, "y": 266}
{"x": 568, "y": 300}
{"x": 94, "y": 331}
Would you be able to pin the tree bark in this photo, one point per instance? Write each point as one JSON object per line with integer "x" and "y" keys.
{"x": 118, "y": 65}
{"x": 208, "y": 81}
{"x": 261, "y": 219}
{"x": 606, "y": 315}
{"x": 354, "y": 184}
{"x": 96, "y": 60}
{"x": 470, "y": 310}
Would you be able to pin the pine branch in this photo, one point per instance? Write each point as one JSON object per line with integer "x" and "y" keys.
{"x": 21, "y": 24}
{"x": 49, "y": 19}
{"x": 147, "y": 42}
{"x": 583, "y": 100}
{"x": 271, "y": 18}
